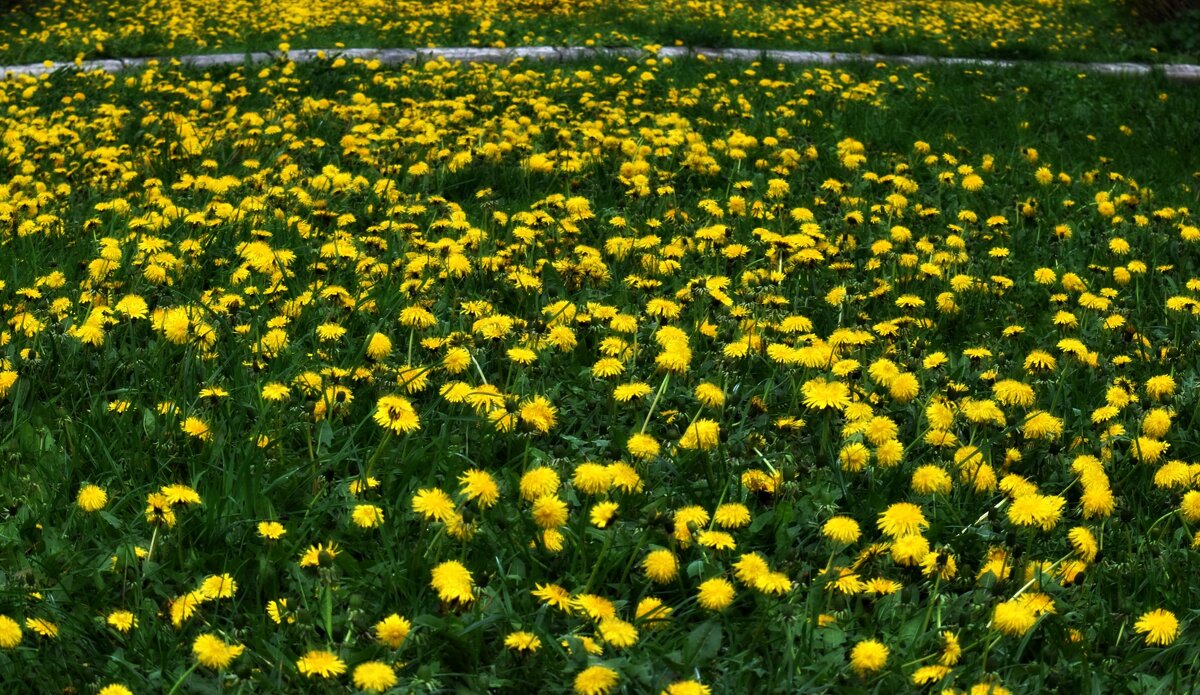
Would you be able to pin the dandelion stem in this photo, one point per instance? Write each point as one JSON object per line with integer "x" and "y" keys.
{"x": 933, "y": 600}
{"x": 150, "y": 551}
{"x": 988, "y": 648}
{"x": 599, "y": 560}
{"x": 1034, "y": 580}
{"x": 478, "y": 368}
{"x": 182, "y": 678}
{"x": 1158, "y": 520}
{"x": 653, "y": 404}
{"x": 327, "y": 604}
{"x": 387, "y": 437}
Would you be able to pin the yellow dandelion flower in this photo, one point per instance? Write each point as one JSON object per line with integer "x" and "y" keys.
{"x": 319, "y": 555}
{"x": 868, "y": 656}
{"x": 433, "y": 504}
{"x": 717, "y": 540}
{"x": 1034, "y": 509}
{"x": 592, "y": 478}
{"x": 660, "y": 566}
{"x": 901, "y": 519}
{"x": 553, "y": 595}
{"x": 374, "y": 676}
{"x": 710, "y": 395}
{"x": 618, "y": 633}
{"x": 180, "y": 494}
{"x": 43, "y": 627}
{"x": 539, "y": 482}
{"x": 931, "y": 480}
{"x": 628, "y": 392}
{"x": 1013, "y": 618}
{"x": 842, "y": 529}
{"x": 642, "y": 446}
{"x": 392, "y": 630}
{"x": 715, "y": 594}
{"x": 930, "y": 674}
{"x": 218, "y": 586}
{"x": 212, "y": 651}
{"x": 595, "y": 680}
{"x": 653, "y": 613}
{"x": 121, "y": 620}
{"x": 1160, "y": 387}
{"x": 702, "y": 434}
{"x": 549, "y": 512}
{"x": 196, "y": 428}
{"x": 539, "y": 414}
{"x": 1042, "y": 425}
{"x": 92, "y": 498}
{"x": 690, "y": 687}
{"x": 379, "y": 346}
{"x": 521, "y": 641}
{"x": 367, "y": 516}
{"x": 732, "y": 515}
{"x": 277, "y": 611}
{"x": 320, "y": 664}
{"x": 904, "y": 387}
{"x": 453, "y": 582}
{"x": 822, "y": 394}
{"x": 480, "y": 487}
{"x": 271, "y": 530}
{"x": 10, "y": 632}
{"x": 396, "y": 413}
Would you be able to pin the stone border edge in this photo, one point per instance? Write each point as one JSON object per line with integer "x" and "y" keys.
{"x": 1178, "y": 72}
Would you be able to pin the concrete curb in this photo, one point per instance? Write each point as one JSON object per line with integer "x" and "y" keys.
{"x": 1179, "y": 72}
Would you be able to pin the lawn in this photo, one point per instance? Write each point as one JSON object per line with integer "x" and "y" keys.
{"x": 1041, "y": 29}
{"x": 627, "y": 376}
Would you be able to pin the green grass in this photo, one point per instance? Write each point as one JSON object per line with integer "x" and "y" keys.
{"x": 1056, "y": 30}
{"x": 120, "y": 139}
